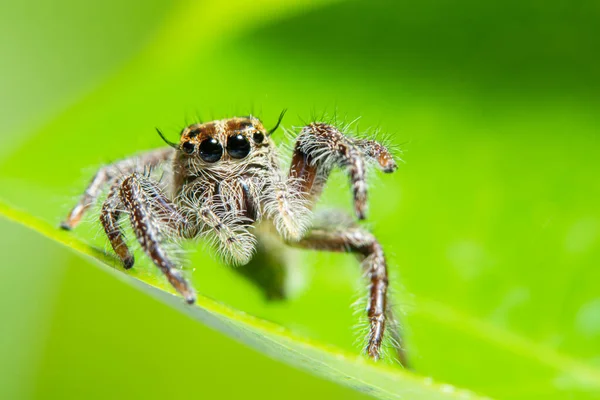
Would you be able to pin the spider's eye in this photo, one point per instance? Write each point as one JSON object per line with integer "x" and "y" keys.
{"x": 238, "y": 146}
{"x": 211, "y": 150}
{"x": 258, "y": 137}
{"x": 188, "y": 147}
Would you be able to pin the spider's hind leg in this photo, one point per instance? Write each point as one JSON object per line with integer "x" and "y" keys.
{"x": 338, "y": 234}
{"x": 151, "y": 215}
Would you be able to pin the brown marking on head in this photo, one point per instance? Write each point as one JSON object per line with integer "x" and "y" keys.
{"x": 222, "y": 129}
{"x": 198, "y": 132}
{"x": 244, "y": 125}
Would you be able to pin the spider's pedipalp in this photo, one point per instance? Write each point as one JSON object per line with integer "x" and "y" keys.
{"x": 288, "y": 208}
{"x": 236, "y": 244}
{"x": 219, "y": 210}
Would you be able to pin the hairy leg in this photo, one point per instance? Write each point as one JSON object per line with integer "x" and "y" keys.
{"x": 150, "y": 214}
{"x": 108, "y": 175}
{"x": 321, "y": 147}
{"x": 362, "y": 243}
{"x": 109, "y": 218}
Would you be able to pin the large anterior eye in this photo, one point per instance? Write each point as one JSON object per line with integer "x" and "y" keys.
{"x": 238, "y": 146}
{"x": 211, "y": 150}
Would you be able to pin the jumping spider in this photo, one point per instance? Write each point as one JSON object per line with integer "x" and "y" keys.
{"x": 226, "y": 178}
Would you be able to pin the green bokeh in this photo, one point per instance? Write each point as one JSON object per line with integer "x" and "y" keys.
{"x": 492, "y": 225}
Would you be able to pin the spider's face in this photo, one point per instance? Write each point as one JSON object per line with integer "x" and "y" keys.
{"x": 228, "y": 139}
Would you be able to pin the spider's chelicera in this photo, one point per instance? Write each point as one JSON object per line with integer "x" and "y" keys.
{"x": 226, "y": 178}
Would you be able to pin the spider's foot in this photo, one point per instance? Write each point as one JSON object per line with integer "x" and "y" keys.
{"x": 387, "y": 163}
{"x": 389, "y": 167}
{"x": 181, "y": 285}
{"x": 65, "y": 226}
{"x": 374, "y": 351}
{"x": 190, "y": 298}
{"x": 128, "y": 262}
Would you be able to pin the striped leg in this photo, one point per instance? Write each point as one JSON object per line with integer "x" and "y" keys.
{"x": 320, "y": 147}
{"x": 370, "y": 253}
{"x": 148, "y": 211}
{"x": 109, "y": 218}
{"x": 107, "y": 175}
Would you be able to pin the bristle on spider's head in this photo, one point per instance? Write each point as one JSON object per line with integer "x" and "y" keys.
{"x": 278, "y": 121}
{"x": 167, "y": 141}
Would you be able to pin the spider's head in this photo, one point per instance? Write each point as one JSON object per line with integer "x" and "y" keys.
{"x": 227, "y": 139}
{"x": 233, "y": 138}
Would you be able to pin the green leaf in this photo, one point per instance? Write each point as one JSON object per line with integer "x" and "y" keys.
{"x": 270, "y": 339}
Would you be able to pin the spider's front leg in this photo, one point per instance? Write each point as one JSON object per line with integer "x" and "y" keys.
{"x": 353, "y": 239}
{"x": 108, "y": 175}
{"x": 153, "y": 218}
{"x": 320, "y": 147}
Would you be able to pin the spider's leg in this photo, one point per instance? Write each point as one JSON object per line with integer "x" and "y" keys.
{"x": 362, "y": 243}
{"x": 109, "y": 218}
{"x": 321, "y": 147}
{"x": 150, "y": 213}
{"x": 107, "y": 175}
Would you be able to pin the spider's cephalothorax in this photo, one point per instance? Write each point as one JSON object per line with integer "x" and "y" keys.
{"x": 226, "y": 178}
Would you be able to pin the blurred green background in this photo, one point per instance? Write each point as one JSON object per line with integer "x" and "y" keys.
{"x": 492, "y": 224}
